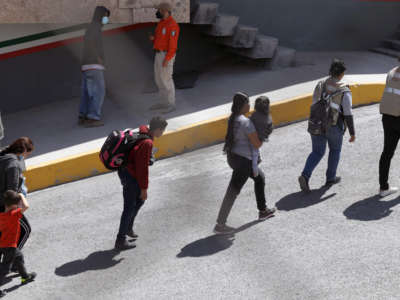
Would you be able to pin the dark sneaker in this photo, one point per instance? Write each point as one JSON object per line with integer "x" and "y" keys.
{"x": 31, "y": 277}
{"x": 303, "y": 181}
{"x": 333, "y": 182}
{"x": 124, "y": 245}
{"x": 159, "y": 106}
{"x": 89, "y": 123}
{"x": 132, "y": 234}
{"x": 223, "y": 229}
{"x": 2, "y": 293}
{"x": 266, "y": 214}
{"x": 81, "y": 120}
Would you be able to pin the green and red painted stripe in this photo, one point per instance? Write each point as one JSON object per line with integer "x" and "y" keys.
{"x": 57, "y": 44}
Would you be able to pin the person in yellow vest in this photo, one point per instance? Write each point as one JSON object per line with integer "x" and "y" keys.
{"x": 390, "y": 110}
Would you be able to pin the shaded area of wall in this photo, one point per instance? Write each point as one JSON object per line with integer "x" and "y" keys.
{"x": 319, "y": 24}
{"x": 54, "y": 75}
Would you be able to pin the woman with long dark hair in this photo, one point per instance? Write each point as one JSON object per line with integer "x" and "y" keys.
{"x": 240, "y": 137}
{"x": 12, "y": 166}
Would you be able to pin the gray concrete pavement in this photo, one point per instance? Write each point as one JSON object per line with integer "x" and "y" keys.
{"x": 340, "y": 243}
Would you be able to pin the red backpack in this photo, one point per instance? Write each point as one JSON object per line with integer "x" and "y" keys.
{"x": 115, "y": 151}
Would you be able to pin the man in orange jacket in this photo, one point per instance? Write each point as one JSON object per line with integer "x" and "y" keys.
{"x": 165, "y": 43}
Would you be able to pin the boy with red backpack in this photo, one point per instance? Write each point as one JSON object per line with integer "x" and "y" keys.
{"x": 134, "y": 178}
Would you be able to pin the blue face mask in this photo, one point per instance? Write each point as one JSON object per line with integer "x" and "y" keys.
{"x": 20, "y": 157}
{"x": 105, "y": 20}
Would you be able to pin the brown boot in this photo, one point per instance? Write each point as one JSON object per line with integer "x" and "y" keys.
{"x": 89, "y": 123}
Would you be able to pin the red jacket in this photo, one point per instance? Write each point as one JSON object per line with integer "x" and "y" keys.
{"x": 166, "y": 37}
{"x": 139, "y": 158}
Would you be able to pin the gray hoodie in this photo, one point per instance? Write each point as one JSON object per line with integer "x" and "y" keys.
{"x": 10, "y": 174}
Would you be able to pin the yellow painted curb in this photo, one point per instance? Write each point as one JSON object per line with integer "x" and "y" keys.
{"x": 186, "y": 138}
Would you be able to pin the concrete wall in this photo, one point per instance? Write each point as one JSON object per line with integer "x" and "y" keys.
{"x": 319, "y": 24}
{"x": 54, "y": 75}
{"x": 79, "y": 11}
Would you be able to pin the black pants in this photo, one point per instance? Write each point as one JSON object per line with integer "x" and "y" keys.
{"x": 25, "y": 232}
{"x": 9, "y": 257}
{"x": 391, "y": 128}
{"x": 242, "y": 171}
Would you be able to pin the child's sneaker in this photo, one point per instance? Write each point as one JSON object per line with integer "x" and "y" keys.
{"x": 31, "y": 277}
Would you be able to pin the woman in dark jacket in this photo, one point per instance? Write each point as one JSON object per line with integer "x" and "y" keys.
{"x": 12, "y": 166}
{"x": 240, "y": 138}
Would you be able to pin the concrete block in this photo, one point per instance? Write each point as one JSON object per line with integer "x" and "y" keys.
{"x": 386, "y": 51}
{"x": 224, "y": 25}
{"x": 283, "y": 58}
{"x": 392, "y": 44}
{"x": 205, "y": 13}
{"x": 78, "y": 11}
{"x": 147, "y": 13}
{"x": 264, "y": 47}
{"x": 244, "y": 37}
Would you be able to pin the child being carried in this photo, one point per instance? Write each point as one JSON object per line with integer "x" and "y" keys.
{"x": 262, "y": 121}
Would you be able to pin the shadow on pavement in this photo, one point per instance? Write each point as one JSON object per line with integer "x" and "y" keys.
{"x": 212, "y": 244}
{"x": 370, "y": 209}
{"x": 99, "y": 260}
{"x": 8, "y": 279}
{"x": 302, "y": 200}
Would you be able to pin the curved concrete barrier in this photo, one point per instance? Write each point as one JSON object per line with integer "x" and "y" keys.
{"x": 184, "y": 139}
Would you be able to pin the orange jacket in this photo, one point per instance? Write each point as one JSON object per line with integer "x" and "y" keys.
{"x": 166, "y": 37}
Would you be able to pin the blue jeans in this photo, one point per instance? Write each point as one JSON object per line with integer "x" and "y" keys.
{"x": 334, "y": 139}
{"x": 132, "y": 202}
{"x": 92, "y": 95}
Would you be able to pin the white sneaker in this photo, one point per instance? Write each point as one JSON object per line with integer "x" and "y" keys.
{"x": 389, "y": 191}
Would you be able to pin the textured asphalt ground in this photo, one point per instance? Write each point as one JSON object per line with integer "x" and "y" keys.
{"x": 341, "y": 243}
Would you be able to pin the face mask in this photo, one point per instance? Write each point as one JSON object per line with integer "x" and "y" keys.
{"x": 159, "y": 15}
{"x": 20, "y": 157}
{"x": 105, "y": 20}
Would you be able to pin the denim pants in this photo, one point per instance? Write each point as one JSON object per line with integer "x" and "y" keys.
{"x": 334, "y": 139}
{"x": 132, "y": 202}
{"x": 242, "y": 171}
{"x": 92, "y": 94}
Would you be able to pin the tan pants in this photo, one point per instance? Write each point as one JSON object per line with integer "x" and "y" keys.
{"x": 163, "y": 77}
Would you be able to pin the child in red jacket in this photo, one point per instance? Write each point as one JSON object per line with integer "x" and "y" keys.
{"x": 10, "y": 231}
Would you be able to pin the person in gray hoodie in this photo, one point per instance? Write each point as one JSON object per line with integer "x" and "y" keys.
{"x": 12, "y": 166}
{"x": 93, "y": 67}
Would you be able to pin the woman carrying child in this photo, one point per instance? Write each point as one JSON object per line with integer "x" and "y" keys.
{"x": 240, "y": 139}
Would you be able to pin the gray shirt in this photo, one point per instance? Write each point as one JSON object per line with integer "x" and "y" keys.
{"x": 241, "y": 129}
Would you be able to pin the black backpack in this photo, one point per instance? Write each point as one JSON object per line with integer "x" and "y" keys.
{"x": 116, "y": 149}
{"x": 320, "y": 112}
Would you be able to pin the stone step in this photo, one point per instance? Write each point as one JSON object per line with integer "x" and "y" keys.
{"x": 244, "y": 37}
{"x": 386, "y": 51}
{"x": 205, "y": 13}
{"x": 264, "y": 47}
{"x": 283, "y": 58}
{"x": 392, "y": 44}
{"x": 224, "y": 26}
